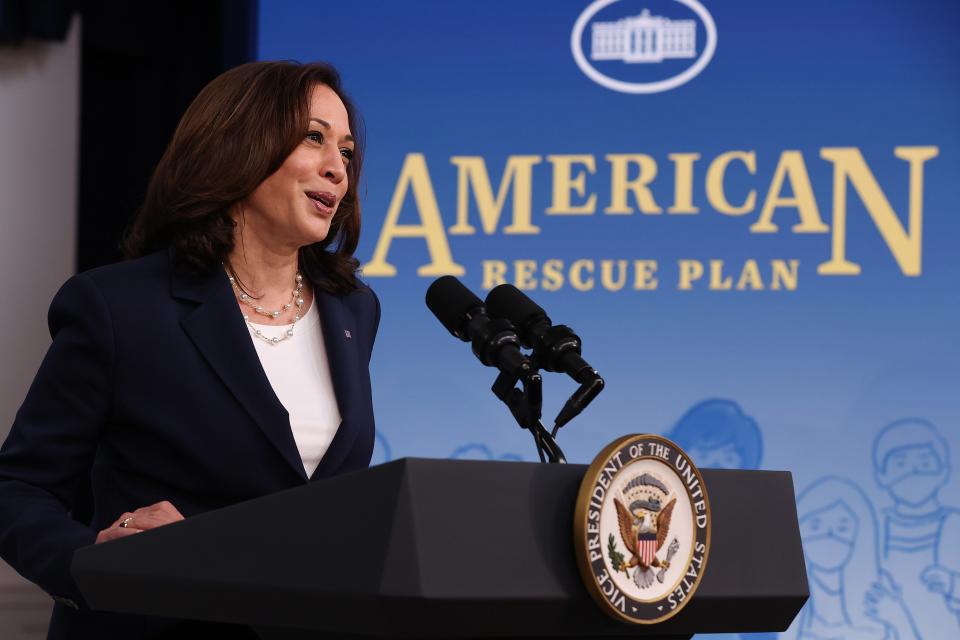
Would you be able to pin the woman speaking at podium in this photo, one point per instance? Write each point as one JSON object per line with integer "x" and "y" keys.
{"x": 226, "y": 360}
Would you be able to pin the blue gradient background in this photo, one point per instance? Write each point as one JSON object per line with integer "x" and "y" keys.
{"x": 821, "y": 370}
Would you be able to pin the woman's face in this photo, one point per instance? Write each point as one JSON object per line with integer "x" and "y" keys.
{"x": 294, "y": 206}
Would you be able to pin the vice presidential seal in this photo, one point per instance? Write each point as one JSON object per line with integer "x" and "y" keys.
{"x": 642, "y": 529}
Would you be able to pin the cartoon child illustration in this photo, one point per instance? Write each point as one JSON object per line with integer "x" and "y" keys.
{"x": 716, "y": 433}
{"x": 911, "y": 463}
{"x": 847, "y": 598}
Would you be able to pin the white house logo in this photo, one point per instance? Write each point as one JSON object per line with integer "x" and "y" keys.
{"x": 643, "y": 39}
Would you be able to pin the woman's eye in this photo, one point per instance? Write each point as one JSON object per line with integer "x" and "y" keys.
{"x": 347, "y": 154}
{"x": 315, "y": 136}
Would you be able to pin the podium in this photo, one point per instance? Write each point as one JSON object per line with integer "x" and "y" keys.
{"x": 421, "y": 548}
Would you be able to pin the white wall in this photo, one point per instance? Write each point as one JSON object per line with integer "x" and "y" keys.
{"x": 39, "y": 136}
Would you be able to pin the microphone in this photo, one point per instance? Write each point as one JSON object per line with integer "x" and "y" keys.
{"x": 555, "y": 347}
{"x": 494, "y": 341}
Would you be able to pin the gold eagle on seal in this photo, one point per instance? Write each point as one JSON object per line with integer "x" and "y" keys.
{"x": 645, "y": 526}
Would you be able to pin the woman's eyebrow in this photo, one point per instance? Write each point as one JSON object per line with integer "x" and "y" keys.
{"x": 325, "y": 124}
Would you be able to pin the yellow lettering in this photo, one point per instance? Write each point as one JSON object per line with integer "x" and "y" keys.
{"x": 414, "y": 175}
{"x": 472, "y": 172}
{"x": 523, "y": 274}
{"x": 792, "y": 167}
{"x": 577, "y": 280}
{"x": 716, "y": 173}
{"x": 683, "y": 182}
{"x": 564, "y": 183}
{"x": 905, "y": 246}
{"x": 493, "y": 273}
{"x": 552, "y": 275}
{"x": 717, "y": 280}
{"x": 690, "y": 270}
{"x": 620, "y": 186}
{"x": 750, "y": 277}
{"x": 785, "y": 274}
{"x": 606, "y": 274}
{"x": 644, "y": 275}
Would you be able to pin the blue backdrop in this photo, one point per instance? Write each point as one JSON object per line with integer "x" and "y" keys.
{"x": 761, "y": 259}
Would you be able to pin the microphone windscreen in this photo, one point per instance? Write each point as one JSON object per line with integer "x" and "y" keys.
{"x": 450, "y": 301}
{"x": 506, "y": 301}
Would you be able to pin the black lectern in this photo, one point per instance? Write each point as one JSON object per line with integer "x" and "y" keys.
{"x": 439, "y": 548}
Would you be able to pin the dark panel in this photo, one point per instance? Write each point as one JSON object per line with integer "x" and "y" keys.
{"x": 142, "y": 64}
{"x": 35, "y": 19}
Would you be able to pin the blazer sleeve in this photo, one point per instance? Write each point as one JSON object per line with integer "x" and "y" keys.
{"x": 48, "y": 455}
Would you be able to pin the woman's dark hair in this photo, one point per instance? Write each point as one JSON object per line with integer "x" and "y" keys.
{"x": 236, "y": 133}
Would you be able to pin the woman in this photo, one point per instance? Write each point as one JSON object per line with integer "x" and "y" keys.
{"x": 226, "y": 361}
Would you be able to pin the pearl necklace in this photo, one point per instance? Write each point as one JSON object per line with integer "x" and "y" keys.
{"x": 296, "y": 298}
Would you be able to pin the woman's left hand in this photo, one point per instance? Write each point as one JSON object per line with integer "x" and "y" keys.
{"x": 156, "y": 515}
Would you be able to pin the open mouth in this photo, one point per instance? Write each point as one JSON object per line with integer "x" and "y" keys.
{"x": 325, "y": 198}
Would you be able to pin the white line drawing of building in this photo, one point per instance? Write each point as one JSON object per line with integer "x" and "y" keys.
{"x": 643, "y": 39}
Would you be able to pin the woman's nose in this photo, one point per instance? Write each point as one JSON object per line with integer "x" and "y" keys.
{"x": 334, "y": 166}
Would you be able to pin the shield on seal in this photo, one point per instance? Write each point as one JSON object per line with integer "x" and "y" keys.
{"x": 647, "y": 547}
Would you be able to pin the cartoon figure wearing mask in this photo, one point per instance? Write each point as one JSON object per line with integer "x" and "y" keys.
{"x": 912, "y": 463}
{"x": 838, "y": 530}
{"x": 850, "y": 597}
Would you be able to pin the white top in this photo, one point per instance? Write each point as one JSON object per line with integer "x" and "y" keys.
{"x": 299, "y": 373}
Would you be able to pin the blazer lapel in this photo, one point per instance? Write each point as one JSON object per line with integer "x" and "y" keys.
{"x": 217, "y": 329}
{"x": 339, "y": 330}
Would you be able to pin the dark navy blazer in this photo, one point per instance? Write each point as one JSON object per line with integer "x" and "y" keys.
{"x": 152, "y": 390}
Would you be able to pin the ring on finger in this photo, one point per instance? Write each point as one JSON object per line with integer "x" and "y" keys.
{"x": 126, "y": 522}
